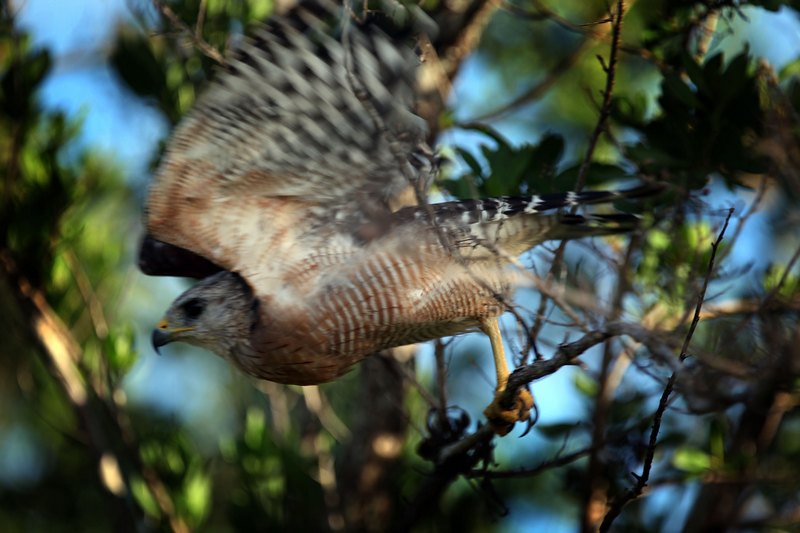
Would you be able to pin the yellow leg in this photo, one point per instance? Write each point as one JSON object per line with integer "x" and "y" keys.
{"x": 503, "y": 417}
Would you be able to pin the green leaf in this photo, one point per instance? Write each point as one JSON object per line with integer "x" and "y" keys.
{"x": 695, "y": 73}
{"x": 585, "y": 384}
{"x": 791, "y": 284}
{"x": 674, "y": 86}
{"x": 119, "y": 348}
{"x": 134, "y": 61}
{"x": 143, "y": 496}
{"x": 543, "y": 162}
{"x": 254, "y": 428}
{"x": 260, "y": 9}
{"x": 597, "y": 174}
{"x": 197, "y": 495}
{"x": 630, "y": 109}
{"x": 790, "y": 70}
{"x": 558, "y": 430}
{"x": 692, "y": 460}
{"x": 735, "y": 76}
{"x": 471, "y": 162}
{"x": 514, "y": 170}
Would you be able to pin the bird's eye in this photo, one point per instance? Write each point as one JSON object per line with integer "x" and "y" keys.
{"x": 193, "y": 308}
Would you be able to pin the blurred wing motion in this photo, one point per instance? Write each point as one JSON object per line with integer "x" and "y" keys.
{"x": 282, "y": 176}
{"x": 307, "y": 133}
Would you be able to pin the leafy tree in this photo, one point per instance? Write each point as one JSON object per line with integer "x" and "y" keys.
{"x": 682, "y": 359}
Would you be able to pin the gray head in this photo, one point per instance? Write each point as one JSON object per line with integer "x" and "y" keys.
{"x": 217, "y": 314}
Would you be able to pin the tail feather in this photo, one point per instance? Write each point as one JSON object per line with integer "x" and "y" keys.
{"x": 593, "y": 225}
{"x": 463, "y": 212}
{"x": 516, "y": 224}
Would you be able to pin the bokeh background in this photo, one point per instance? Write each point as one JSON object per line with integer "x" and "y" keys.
{"x": 114, "y": 437}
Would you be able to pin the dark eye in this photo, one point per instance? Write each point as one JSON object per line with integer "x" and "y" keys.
{"x": 193, "y": 308}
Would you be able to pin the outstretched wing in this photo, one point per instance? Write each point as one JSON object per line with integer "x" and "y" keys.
{"x": 300, "y": 140}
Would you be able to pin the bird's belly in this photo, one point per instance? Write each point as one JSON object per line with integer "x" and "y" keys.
{"x": 311, "y": 354}
{"x": 369, "y": 311}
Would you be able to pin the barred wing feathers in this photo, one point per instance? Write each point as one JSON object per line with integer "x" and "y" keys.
{"x": 280, "y": 155}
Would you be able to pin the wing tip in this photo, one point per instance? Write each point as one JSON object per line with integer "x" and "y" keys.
{"x": 159, "y": 258}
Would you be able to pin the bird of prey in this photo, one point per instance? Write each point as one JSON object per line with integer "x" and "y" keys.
{"x": 277, "y": 189}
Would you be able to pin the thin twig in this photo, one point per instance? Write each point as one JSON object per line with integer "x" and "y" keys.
{"x": 565, "y": 355}
{"x": 599, "y": 128}
{"x": 702, "y": 295}
{"x": 468, "y": 38}
{"x": 201, "y": 18}
{"x": 563, "y": 66}
{"x": 534, "y": 471}
{"x": 603, "y": 400}
{"x": 642, "y": 479}
{"x": 535, "y": 92}
{"x": 318, "y": 404}
{"x": 205, "y": 48}
{"x": 93, "y": 303}
{"x": 605, "y": 108}
{"x": 749, "y": 212}
{"x": 776, "y": 289}
{"x": 750, "y": 306}
{"x": 410, "y": 377}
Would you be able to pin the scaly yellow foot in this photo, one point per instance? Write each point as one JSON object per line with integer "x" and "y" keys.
{"x": 503, "y": 416}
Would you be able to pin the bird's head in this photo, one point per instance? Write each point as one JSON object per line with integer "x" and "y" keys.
{"x": 216, "y": 314}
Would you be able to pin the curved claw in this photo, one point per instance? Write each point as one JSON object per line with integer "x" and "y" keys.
{"x": 531, "y": 421}
{"x": 503, "y": 417}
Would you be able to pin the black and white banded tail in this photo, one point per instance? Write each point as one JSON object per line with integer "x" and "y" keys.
{"x": 518, "y": 223}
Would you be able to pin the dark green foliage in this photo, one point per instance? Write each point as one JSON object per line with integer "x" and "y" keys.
{"x": 708, "y": 124}
{"x": 33, "y": 178}
{"x": 511, "y": 169}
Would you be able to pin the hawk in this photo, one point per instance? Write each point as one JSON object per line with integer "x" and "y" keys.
{"x": 277, "y": 189}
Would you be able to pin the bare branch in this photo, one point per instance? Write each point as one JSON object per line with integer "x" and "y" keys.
{"x": 556, "y": 462}
{"x": 205, "y": 48}
{"x": 605, "y": 108}
{"x": 642, "y": 479}
{"x": 706, "y": 280}
{"x": 318, "y": 404}
{"x": 782, "y": 281}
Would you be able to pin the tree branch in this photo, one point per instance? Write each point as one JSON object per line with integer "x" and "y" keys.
{"x": 642, "y": 479}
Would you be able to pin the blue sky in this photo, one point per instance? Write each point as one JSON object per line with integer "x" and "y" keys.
{"x": 79, "y": 34}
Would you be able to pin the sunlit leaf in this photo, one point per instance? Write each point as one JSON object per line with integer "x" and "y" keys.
{"x": 585, "y": 384}
{"x": 692, "y": 460}
{"x": 197, "y": 495}
{"x": 144, "y": 497}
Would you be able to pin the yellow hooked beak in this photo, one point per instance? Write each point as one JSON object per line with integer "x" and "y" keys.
{"x": 163, "y": 334}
